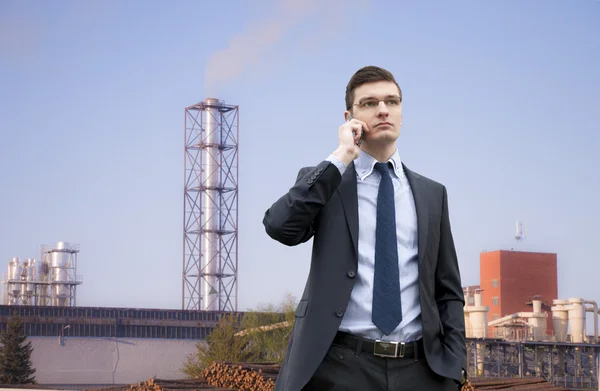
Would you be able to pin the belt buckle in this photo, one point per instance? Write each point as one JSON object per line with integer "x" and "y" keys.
{"x": 385, "y": 349}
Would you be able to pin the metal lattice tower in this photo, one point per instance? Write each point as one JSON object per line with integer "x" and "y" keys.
{"x": 210, "y": 207}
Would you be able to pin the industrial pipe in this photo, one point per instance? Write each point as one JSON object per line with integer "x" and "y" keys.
{"x": 595, "y": 311}
{"x": 517, "y": 315}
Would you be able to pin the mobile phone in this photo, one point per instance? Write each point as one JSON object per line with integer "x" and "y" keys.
{"x": 360, "y": 139}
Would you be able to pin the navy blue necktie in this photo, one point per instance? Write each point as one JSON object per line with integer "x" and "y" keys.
{"x": 387, "y": 308}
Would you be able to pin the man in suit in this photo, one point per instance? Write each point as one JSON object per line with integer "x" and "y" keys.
{"x": 383, "y": 305}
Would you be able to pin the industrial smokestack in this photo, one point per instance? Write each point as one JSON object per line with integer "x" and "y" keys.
{"x": 211, "y": 205}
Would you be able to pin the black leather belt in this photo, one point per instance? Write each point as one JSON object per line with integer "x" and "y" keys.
{"x": 381, "y": 348}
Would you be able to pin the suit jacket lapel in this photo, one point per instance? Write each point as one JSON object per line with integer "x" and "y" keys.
{"x": 348, "y": 194}
{"x": 419, "y": 194}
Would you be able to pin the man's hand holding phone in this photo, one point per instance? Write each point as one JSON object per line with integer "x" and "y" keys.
{"x": 350, "y": 136}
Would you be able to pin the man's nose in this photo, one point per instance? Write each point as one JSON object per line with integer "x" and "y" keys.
{"x": 382, "y": 109}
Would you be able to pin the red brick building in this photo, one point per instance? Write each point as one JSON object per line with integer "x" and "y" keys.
{"x": 509, "y": 280}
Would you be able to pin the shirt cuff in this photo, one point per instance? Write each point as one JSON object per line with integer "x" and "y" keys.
{"x": 339, "y": 164}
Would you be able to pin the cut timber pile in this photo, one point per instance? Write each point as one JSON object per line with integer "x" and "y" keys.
{"x": 261, "y": 377}
{"x": 517, "y": 384}
{"x": 225, "y": 376}
{"x": 174, "y": 385}
{"x": 242, "y": 376}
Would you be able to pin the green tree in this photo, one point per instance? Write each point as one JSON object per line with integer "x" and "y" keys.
{"x": 220, "y": 345}
{"x": 259, "y": 336}
{"x": 15, "y": 355}
{"x": 268, "y": 330}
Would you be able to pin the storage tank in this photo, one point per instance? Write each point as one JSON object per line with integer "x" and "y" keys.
{"x": 467, "y": 323}
{"x": 576, "y": 320}
{"x": 30, "y": 273}
{"x": 14, "y": 276}
{"x": 14, "y": 269}
{"x": 466, "y": 313}
{"x": 560, "y": 316}
{"x": 478, "y": 317}
{"x": 479, "y": 327}
{"x": 28, "y": 276}
{"x": 537, "y": 321}
{"x": 58, "y": 271}
{"x": 44, "y": 275}
{"x": 60, "y": 265}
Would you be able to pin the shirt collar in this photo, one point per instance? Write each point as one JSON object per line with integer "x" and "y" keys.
{"x": 365, "y": 163}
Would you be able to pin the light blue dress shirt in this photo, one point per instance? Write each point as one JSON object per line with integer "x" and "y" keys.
{"x": 357, "y": 319}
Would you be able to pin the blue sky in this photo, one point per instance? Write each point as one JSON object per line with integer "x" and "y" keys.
{"x": 500, "y": 105}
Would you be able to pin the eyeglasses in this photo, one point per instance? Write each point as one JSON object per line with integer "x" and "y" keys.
{"x": 371, "y": 103}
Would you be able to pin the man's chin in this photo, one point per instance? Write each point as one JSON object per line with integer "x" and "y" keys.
{"x": 383, "y": 138}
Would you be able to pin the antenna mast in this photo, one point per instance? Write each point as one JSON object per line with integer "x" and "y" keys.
{"x": 521, "y": 231}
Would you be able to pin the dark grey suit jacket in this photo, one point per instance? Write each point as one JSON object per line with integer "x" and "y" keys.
{"x": 323, "y": 205}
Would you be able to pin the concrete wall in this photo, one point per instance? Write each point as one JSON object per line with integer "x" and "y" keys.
{"x": 108, "y": 360}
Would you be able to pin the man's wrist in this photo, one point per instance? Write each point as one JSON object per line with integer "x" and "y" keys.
{"x": 336, "y": 162}
{"x": 343, "y": 155}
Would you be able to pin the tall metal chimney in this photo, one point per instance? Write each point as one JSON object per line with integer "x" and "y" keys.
{"x": 210, "y": 207}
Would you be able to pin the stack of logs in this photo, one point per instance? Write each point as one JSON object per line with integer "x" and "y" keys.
{"x": 524, "y": 384}
{"x": 242, "y": 376}
{"x": 261, "y": 377}
{"x": 175, "y": 385}
{"x": 227, "y": 376}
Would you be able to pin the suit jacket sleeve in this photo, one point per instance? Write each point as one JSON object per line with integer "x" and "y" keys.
{"x": 448, "y": 290}
{"x": 290, "y": 219}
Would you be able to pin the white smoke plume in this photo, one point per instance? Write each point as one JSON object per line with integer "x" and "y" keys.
{"x": 247, "y": 49}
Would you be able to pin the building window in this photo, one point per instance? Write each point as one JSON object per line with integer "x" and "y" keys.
{"x": 495, "y": 300}
{"x": 494, "y": 283}
{"x": 471, "y": 301}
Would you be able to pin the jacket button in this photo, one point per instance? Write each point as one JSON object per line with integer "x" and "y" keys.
{"x": 339, "y": 313}
{"x": 351, "y": 273}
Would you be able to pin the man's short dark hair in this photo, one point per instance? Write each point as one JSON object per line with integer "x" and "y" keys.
{"x": 364, "y": 75}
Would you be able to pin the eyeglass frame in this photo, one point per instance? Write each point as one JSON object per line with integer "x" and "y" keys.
{"x": 396, "y": 97}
